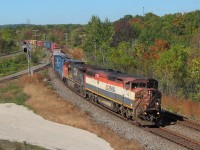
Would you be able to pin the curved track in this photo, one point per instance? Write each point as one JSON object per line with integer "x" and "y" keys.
{"x": 11, "y": 54}
{"x": 46, "y": 63}
{"x": 19, "y": 74}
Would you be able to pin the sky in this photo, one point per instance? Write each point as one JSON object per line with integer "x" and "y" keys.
{"x": 80, "y": 11}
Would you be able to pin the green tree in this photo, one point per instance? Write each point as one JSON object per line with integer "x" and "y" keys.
{"x": 98, "y": 38}
{"x": 74, "y": 38}
{"x": 171, "y": 70}
{"x": 122, "y": 58}
{"x": 8, "y": 39}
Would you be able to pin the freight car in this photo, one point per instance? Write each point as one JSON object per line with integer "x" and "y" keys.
{"x": 45, "y": 44}
{"x": 55, "y": 47}
{"x": 58, "y": 61}
{"x": 133, "y": 97}
{"x": 40, "y": 43}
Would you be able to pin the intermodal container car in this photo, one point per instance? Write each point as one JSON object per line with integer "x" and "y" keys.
{"x": 47, "y": 45}
{"x": 58, "y": 61}
{"x": 40, "y": 43}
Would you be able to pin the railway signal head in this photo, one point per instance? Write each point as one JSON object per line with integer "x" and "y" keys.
{"x": 27, "y": 47}
{"x": 25, "y": 50}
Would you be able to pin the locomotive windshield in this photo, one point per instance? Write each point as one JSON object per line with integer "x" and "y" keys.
{"x": 138, "y": 85}
{"x": 152, "y": 84}
{"x": 149, "y": 84}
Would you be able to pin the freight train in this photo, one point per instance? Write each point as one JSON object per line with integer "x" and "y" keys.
{"x": 133, "y": 97}
{"x": 46, "y": 44}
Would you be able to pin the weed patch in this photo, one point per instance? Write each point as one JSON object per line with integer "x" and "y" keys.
{"x": 8, "y": 145}
{"x": 12, "y": 93}
{"x": 183, "y": 107}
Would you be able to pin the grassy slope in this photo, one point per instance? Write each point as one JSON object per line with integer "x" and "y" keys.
{"x": 7, "y": 145}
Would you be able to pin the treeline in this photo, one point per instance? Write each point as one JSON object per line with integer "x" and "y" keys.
{"x": 165, "y": 48}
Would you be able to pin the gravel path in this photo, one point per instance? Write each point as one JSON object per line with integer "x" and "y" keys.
{"x": 17, "y": 123}
{"x": 150, "y": 141}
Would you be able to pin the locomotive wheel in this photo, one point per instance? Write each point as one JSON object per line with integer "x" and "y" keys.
{"x": 128, "y": 113}
{"x": 96, "y": 99}
{"x": 123, "y": 111}
{"x": 65, "y": 81}
{"x": 138, "y": 111}
{"x": 116, "y": 107}
{"x": 84, "y": 93}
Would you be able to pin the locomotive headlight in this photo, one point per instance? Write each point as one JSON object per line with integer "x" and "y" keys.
{"x": 149, "y": 92}
{"x": 157, "y": 103}
{"x": 145, "y": 113}
{"x": 158, "y": 113}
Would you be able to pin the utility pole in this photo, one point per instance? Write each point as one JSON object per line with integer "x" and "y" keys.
{"x": 27, "y": 49}
{"x": 36, "y": 34}
{"x": 44, "y": 35}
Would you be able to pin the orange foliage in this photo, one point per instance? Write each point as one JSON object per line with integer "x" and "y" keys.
{"x": 136, "y": 20}
{"x": 76, "y": 53}
{"x": 158, "y": 47}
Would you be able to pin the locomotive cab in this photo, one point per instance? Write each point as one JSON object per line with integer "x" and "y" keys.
{"x": 148, "y": 99}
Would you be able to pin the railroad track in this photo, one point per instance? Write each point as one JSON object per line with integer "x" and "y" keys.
{"x": 19, "y": 74}
{"x": 10, "y": 54}
{"x": 46, "y": 63}
{"x": 178, "y": 119}
{"x": 159, "y": 131}
{"x": 175, "y": 137}
{"x": 190, "y": 123}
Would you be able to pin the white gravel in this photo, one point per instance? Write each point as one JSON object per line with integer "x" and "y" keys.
{"x": 17, "y": 123}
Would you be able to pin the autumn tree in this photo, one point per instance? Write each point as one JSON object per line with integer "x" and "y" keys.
{"x": 124, "y": 31}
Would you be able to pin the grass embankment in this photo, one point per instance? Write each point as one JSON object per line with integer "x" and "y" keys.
{"x": 12, "y": 93}
{"x": 15, "y": 64}
{"x": 7, "y": 145}
{"x": 183, "y": 107}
